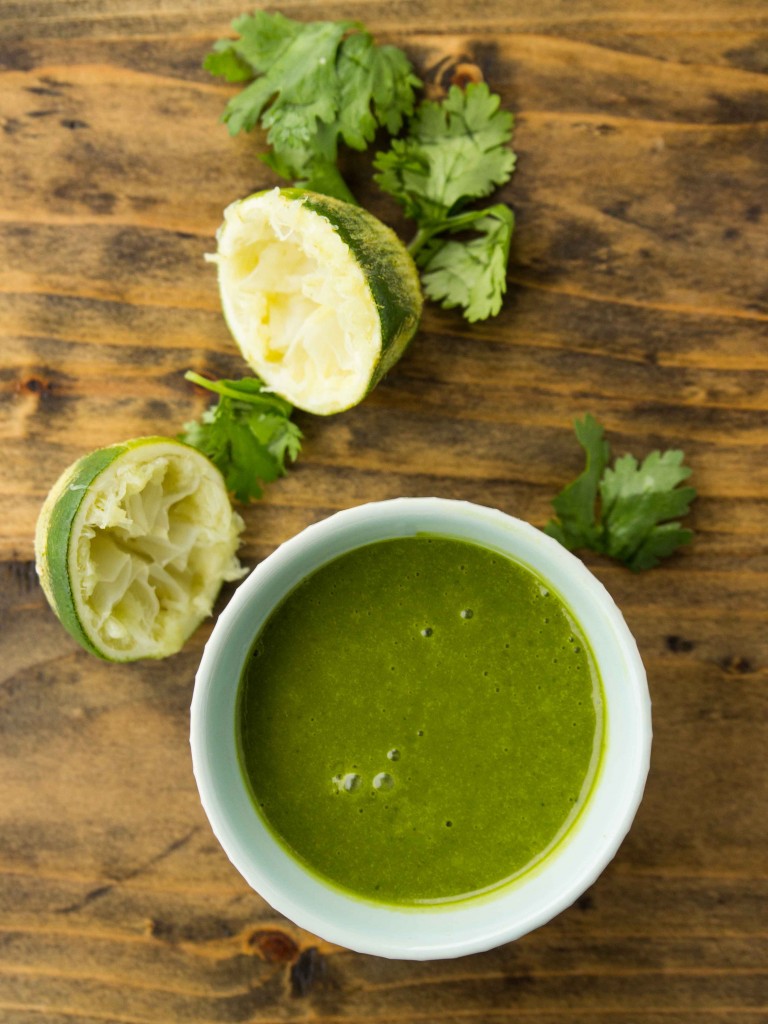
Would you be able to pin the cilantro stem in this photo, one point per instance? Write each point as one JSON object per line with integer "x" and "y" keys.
{"x": 420, "y": 239}
{"x": 457, "y": 222}
{"x": 210, "y": 385}
{"x": 219, "y": 387}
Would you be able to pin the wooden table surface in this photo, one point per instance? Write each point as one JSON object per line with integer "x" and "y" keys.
{"x": 637, "y": 291}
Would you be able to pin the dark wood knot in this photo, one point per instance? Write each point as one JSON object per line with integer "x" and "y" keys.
{"x": 678, "y": 644}
{"x": 36, "y": 386}
{"x": 736, "y": 666}
{"x": 306, "y": 972}
{"x": 465, "y": 73}
{"x": 274, "y": 946}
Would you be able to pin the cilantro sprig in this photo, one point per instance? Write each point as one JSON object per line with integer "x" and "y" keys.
{"x": 456, "y": 152}
{"x": 248, "y": 433}
{"x": 314, "y": 85}
{"x": 635, "y": 520}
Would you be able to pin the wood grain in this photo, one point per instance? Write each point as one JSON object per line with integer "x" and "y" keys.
{"x": 637, "y": 291}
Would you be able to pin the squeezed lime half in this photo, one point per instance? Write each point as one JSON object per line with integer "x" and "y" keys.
{"x": 133, "y": 544}
{"x": 320, "y": 296}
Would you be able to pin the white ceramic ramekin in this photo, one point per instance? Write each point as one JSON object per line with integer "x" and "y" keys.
{"x": 448, "y": 930}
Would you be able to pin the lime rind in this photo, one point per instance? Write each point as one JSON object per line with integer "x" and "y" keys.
{"x": 52, "y": 537}
{"x": 133, "y": 544}
{"x": 321, "y": 297}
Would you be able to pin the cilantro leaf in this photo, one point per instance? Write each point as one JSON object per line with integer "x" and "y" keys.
{"x": 636, "y": 499}
{"x": 315, "y": 83}
{"x": 224, "y": 61}
{"x": 471, "y": 274}
{"x": 293, "y": 67}
{"x": 636, "y": 503}
{"x": 248, "y": 434}
{"x": 454, "y": 151}
{"x": 575, "y": 505}
{"x": 376, "y": 89}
